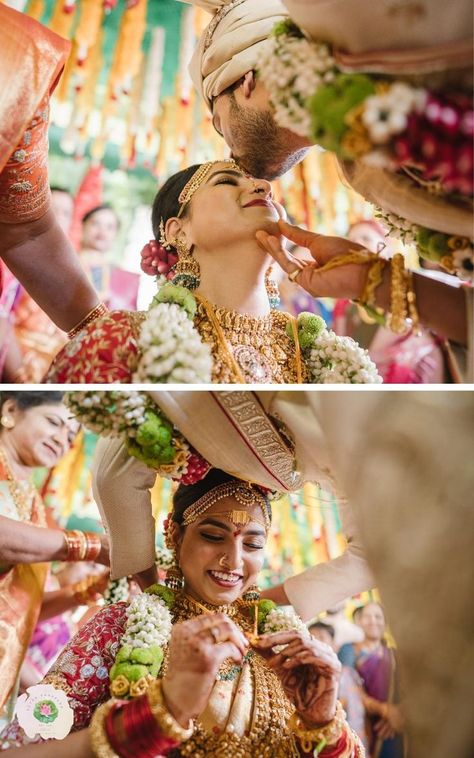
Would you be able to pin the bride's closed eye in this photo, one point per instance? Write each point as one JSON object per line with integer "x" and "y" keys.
{"x": 227, "y": 180}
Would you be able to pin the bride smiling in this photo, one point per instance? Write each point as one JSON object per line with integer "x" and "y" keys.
{"x": 214, "y": 317}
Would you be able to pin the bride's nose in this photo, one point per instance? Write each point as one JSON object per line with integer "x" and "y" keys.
{"x": 262, "y": 186}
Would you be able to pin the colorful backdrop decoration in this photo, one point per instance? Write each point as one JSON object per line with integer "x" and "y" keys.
{"x": 126, "y": 100}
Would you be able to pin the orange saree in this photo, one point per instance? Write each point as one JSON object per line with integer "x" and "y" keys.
{"x": 21, "y": 594}
{"x": 31, "y": 61}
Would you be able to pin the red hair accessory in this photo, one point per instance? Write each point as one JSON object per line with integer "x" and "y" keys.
{"x": 196, "y": 470}
{"x": 157, "y": 260}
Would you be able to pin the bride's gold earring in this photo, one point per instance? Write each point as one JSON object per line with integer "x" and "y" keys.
{"x": 7, "y": 422}
{"x": 187, "y": 272}
{"x": 251, "y": 595}
{"x": 272, "y": 289}
{"x": 174, "y": 577}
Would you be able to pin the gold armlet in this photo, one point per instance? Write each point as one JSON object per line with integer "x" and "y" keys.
{"x": 100, "y": 745}
{"x": 99, "y": 310}
{"x": 317, "y": 739}
{"x": 167, "y": 723}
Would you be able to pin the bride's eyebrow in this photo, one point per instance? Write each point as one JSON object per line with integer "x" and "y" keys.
{"x": 229, "y": 171}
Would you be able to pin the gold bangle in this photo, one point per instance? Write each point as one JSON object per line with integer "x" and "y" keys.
{"x": 76, "y": 545}
{"x": 99, "y": 310}
{"x": 396, "y": 320}
{"x": 374, "y": 278}
{"x": 167, "y": 723}
{"x": 100, "y": 745}
{"x": 327, "y": 734}
{"x": 412, "y": 308}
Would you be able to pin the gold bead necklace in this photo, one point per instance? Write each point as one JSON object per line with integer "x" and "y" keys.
{"x": 23, "y": 498}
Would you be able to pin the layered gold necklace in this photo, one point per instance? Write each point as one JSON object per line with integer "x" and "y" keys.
{"x": 250, "y": 349}
{"x": 23, "y": 492}
{"x": 269, "y": 734}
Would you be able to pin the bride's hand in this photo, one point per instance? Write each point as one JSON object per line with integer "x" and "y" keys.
{"x": 309, "y": 671}
{"x": 346, "y": 281}
{"x": 196, "y": 650}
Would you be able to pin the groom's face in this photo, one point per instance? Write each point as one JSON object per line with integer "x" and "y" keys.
{"x": 261, "y": 147}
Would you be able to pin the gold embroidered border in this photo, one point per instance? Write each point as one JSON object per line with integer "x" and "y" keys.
{"x": 247, "y": 413}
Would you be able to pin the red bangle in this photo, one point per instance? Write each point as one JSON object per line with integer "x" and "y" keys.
{"x": 333, "y": 751}
{"x": 93, "y": 546}
{"x": 110, "y": 732}
{"x": 143, "y": 738}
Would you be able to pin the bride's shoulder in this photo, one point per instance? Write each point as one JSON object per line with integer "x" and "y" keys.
{"x": 105, "y": 351}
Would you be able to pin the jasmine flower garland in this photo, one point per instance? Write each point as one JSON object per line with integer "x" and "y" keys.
{"x": 147, "y": 632}
{"x": 171, "y": 347}
{"x": 454, "y": 253}
{"x": 331, "y": 359}
{"x": 147, "y": 433}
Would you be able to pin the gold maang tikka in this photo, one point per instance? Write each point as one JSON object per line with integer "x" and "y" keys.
{"x": 244, "y": 493}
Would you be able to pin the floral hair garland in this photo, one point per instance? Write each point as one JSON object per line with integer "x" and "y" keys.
{"x": 147, "y": 433}
{"x": 172, "y": 349}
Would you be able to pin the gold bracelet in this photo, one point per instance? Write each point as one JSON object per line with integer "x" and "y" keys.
{"x": 100, "y": 745}
{"x": 99, "y": 310}
{"x": 396, "y": 320}
{"x": 167, "y": 723}
{"x": 411, "y": 300}
{"x": 327, "y": 734}
{"x": 374, "y": 278}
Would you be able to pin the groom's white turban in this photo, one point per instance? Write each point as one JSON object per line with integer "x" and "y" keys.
{"x": 232, "y": 43}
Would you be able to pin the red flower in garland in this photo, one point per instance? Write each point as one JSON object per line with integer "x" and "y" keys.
{"x": 439, "y": 142}
{"x": 197, "y": 468}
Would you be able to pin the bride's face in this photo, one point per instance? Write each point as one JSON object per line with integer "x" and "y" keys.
{"x": 220, "y": 561}
{"x": 228, "y": 208}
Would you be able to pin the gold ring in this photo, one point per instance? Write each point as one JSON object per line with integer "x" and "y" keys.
{"x": 294, "y": 274}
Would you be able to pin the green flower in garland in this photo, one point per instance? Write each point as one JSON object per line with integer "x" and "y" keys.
{"x": 264, "y": 608}
{"x": 153, "y": 442}
{"x": 163, "y": 592}
{"x": 330, "y": 105}
{"x": 138, "y": 662}
{"x": 174, "y": 293}
{"x": 310, "y": 327}
{"x": 288, "y": 28}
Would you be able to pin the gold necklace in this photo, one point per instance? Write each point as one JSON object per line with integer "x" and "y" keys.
{"x": 257, "y": 361}
{"x": 229, "y": 610}
{"x": 221, "y": 340}
{"x": 22, "y": 498}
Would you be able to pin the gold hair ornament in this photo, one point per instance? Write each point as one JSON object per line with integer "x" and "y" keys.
{"x": 197, "y": 179}
{"x": 245, "y": 494}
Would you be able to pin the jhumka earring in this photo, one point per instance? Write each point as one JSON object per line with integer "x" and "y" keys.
{"x": 174, "y": 577}
{"x": 272, "y": 289}
{"x": 7, "y": 422}
{"x": 251, "y": 595}
{"x": 187, "y": 272}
